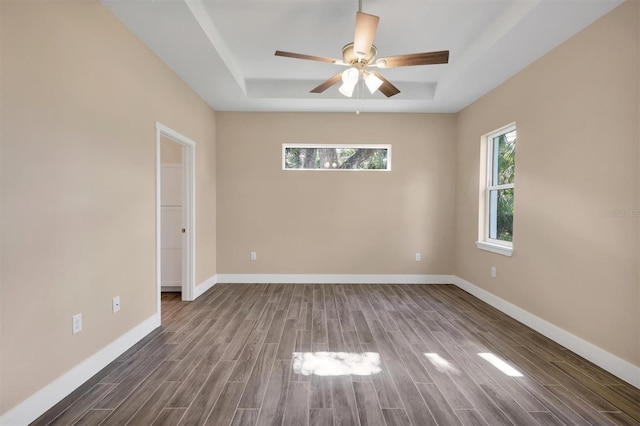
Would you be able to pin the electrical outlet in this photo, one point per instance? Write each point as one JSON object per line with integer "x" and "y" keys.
{"x": 253, "y": 256}
{"x": 493, "y": 271}
{"x": 115, "y": 304}
{"x": 418, "y": 257}
{"x": 76, "y": 323}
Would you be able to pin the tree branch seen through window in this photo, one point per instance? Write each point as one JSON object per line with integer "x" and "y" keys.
{"x": 337, "y": 157}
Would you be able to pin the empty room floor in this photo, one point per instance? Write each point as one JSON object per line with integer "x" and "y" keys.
{"x": 313, "y": 354}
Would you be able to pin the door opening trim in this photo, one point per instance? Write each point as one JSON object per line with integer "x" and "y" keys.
{"x": 188, "y": 212}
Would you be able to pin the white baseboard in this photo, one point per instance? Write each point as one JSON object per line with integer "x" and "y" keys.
{"x": 204, "y": 286}
{"x": 171, "y": 288}
{"x": 606, "y": 360}
{"x": 37, "y": 404}
{"x": 333, "y": 279}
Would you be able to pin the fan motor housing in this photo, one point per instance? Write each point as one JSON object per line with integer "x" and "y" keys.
{"x": 349, "y": 55}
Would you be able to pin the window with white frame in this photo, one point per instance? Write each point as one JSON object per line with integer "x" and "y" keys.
{"x": 336, "y": 157}
{"x": 496, "y": 215}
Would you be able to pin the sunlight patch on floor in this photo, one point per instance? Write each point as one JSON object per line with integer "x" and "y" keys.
{"x": 441, "y": 364}
{"x": 336, "y": 363}
{"x": 500, "y": 364}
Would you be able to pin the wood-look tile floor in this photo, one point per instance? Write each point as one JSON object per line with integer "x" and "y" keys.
{"x": 243, "y": 354}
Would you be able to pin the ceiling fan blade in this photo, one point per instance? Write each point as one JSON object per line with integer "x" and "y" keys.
{"x": 307, "y": 57}
{"x": 324, "y": 86}
{"x": 366, "y": 26}
{"x": 426, "y": 58}
{"x": 386, "y": 88}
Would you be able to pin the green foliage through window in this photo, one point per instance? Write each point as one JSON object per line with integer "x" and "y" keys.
{"x": 502, "y": 151}
{"x": 337, "y": 157}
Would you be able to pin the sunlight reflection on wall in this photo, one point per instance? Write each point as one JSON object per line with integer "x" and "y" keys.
{"x": 336, "y": 363}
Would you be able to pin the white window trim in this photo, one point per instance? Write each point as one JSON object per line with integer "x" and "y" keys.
{"x": 338, "y": 145}
{"x": 495, "y": 248}
{"x": 484, "y": 242}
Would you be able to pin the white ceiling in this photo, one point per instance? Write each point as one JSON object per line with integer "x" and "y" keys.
{"x": 224, "y": 49}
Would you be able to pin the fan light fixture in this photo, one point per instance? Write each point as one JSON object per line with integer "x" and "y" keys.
{"x": 372, "y": 81}
{"x": 349, "y": 81}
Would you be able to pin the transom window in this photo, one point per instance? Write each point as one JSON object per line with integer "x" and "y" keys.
{"x": 336, "y": 157}
{"x": 496, "y": 227}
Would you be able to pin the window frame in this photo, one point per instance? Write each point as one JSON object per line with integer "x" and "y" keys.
{"x": 485, "y": 242}
{"x": 327, "y": 145}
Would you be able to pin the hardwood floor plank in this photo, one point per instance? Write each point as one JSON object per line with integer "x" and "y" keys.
{"x": 369, "y": 409}
{"x": 396, "y": 417}
{"x": 296, "y": 412}
{"x": 248, "y": 357}
{"x": 231, "y": 327}
{"x": 224, "y": 409}
{"x": 470, "y": 418}
{"x": 305, "y": 320}
{"x": 272, "y": 410}
{"x": 545, "y": 418}
{"x": 414, "y": 365}
{"x": 318, "y": 298}
{"x": 169, "y": 417}
{"x": 275, "y": 329}
{"x": 438, "y": 404}
{"x": 319, "y": 326}
{"x": 345, "y": 318}
{"x": 334, "y": 336}
{"x": 83, "y": 404}
{"x": 239, "y": 340}
{"x": 482, "y": 403}
{"x": 611, "y": 398}
{"x": 362, "y": 327}
{"x": 620, "y": 418}
{"x": 93, "y": 417}
{"x": 287, "y": 343}
{"x": 257, "y": 383}
{"x": 553, "y": 404}
{"x": 345, "y": 411}
{"x": 383, "y": 341}
{"x": 320, "y": 392}
{"x": 578, "y": 405}
{"x": 507, "y": 404}
{"x": 138, "y": 385}
{"x": 264, "y": 322}
{"x": 245, "y": 417}
{"x": 193, "y": 383}
{"x": 440, "y": 370}
{"x": 413, "y": 402}
{"x": 386, "y": 389}
{"x": 152, "y": 408}
{"x": 303, "y": 345}
{"x": 294, "y": 307}
{"x": 206, "y": 398}
{"x": 320, "y": 417}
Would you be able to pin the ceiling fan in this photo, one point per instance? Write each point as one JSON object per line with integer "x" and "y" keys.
{"x": 360, "y": 55}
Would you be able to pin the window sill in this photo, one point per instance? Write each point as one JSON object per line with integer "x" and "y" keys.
{"x": 495, "y": 248}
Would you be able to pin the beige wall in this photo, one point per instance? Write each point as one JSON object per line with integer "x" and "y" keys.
{"x": 333, "y": 222}
{"x": 577, "y": 157}
{"x": 80, "y": 98}
{"x": 170, "y": 151}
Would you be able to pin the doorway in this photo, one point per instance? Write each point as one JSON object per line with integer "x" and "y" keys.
{"x": 175, "y": 213}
